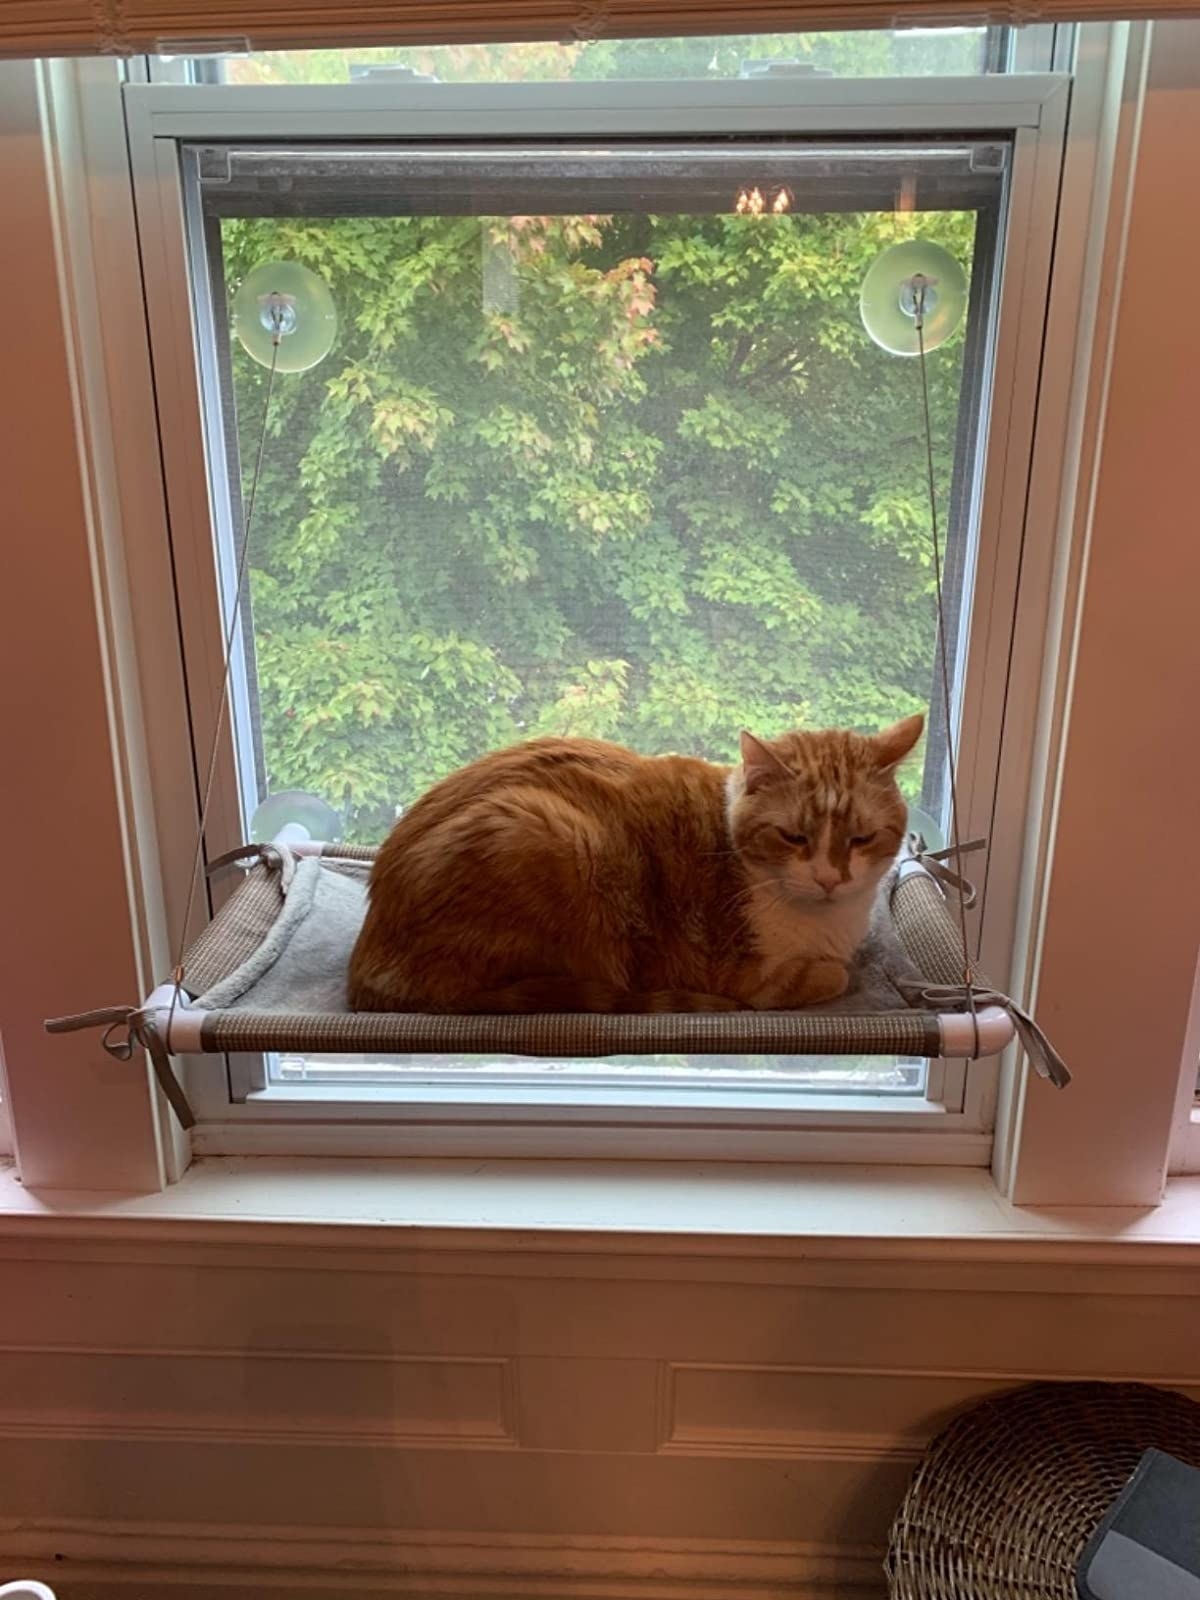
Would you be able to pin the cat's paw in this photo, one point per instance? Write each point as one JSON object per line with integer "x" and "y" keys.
{"x": 803, "y": 983}
{"x": 822, "y": 981}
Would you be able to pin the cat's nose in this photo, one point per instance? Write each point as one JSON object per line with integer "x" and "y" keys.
{"x": 827, "y": 878}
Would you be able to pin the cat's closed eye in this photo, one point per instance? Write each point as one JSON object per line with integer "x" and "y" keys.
{"x": 797, "y": 839}
{"x": 862, "y": 840}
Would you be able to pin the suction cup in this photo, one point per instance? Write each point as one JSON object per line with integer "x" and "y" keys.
{"x": 890, "y": 294}
{"x": 921, "y": 823}
{"x": 295, "y": 810}
{"x": 286, "y": 295}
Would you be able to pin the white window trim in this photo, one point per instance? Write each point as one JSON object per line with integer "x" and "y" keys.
{"x": 1185, "y": 1142}
{"x": 889, "y": 1220}
{"x": 83, "y": 1122}
{"x": 1112, "y": 935}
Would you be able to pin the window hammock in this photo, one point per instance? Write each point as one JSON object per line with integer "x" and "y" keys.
{"x": 268, "y": 974}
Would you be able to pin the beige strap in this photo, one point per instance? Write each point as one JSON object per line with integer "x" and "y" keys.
{"x": 126, "y": 1027}
{"x": 1047, "y": 1062}
{"x": 248, "y": 853}
{"x": 934, "y": 862}
{"x": 275, "y": 857}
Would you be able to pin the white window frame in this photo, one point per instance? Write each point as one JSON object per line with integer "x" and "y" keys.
{"x": 83, "y": 1122}
{"x": 1185, "y": 1141}
{"x": 1031, "y": 110}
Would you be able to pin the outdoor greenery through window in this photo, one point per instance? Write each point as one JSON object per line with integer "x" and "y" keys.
{"x": 891, "y": 52}
{"x": 593, "y": 453}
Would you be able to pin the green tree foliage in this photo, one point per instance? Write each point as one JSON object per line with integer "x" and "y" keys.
{"x": 635, "y": 477}
{"x": 867, "y": 53}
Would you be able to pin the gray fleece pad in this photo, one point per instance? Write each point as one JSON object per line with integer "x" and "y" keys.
{"x": 302, "y": 963}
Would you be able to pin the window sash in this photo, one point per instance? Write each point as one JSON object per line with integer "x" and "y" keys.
{"x": 1028, "y": 110}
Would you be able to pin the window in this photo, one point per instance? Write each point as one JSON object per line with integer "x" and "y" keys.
{"x": 595, "y": 452}
{"x": 892, "y": 52}
{"x": 82, "y": 260}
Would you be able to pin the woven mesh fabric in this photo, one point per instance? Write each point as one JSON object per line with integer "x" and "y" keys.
{"x": 1007, "y": 1497}
{"x": 580, "y": 1034}
{"x": 245, "y": 919}
{"x": 350, "y": 852}
{"x": 236, "y": 931}
{"x": 927, "y": 929}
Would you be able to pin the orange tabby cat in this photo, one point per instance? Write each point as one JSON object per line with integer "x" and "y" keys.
{"x": 570, "y": 875}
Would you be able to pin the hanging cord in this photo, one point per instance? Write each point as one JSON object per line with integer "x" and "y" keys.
{"x": 1045, "y": 1059}
{"x": 178, "y": 973}
{"x": 920, "y": 289}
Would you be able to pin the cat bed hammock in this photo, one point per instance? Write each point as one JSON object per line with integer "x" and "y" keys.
{"x": 269, "y": 973}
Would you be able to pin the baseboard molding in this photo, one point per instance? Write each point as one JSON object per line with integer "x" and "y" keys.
{"x": 88, "y": 1560}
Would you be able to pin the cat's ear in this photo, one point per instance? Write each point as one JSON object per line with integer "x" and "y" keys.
{"x": 894, "y": 743}
{"x": 760, "y": 764}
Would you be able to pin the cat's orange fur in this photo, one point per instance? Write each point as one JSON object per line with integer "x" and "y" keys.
{"x": 570, "y": 875}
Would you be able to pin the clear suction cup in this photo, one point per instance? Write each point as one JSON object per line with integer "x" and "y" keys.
{"x": 926, "y": 827}
{"x": 295, "y": 810}
{"x": 894, "y": 287}
{"x": 286, "y": 296}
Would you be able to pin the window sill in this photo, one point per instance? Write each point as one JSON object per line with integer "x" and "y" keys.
{"x": 611, "y": 1208}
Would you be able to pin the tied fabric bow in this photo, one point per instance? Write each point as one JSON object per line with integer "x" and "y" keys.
{"x": 126, "y": 1027}
{"x": 936, "y": 865}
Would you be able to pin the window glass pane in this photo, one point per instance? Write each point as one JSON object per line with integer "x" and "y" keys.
{"x": 893, "y": 52}
{"x": 829, "y": 1074}
{"x": 593, "y": 453}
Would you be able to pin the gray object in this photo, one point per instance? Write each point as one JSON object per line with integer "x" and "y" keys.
{"x": 1148, "y": 1545}
{"x": 758, "y": 67}
{"x": 387, "y": 72}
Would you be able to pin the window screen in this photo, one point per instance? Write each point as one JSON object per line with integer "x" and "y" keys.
{"x": 601, "y": 448}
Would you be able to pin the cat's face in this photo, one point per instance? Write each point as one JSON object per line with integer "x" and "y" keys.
{"x": 819, "y": 815}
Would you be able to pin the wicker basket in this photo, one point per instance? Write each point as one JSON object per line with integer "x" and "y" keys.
{"x": 1007, "y": 1497}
